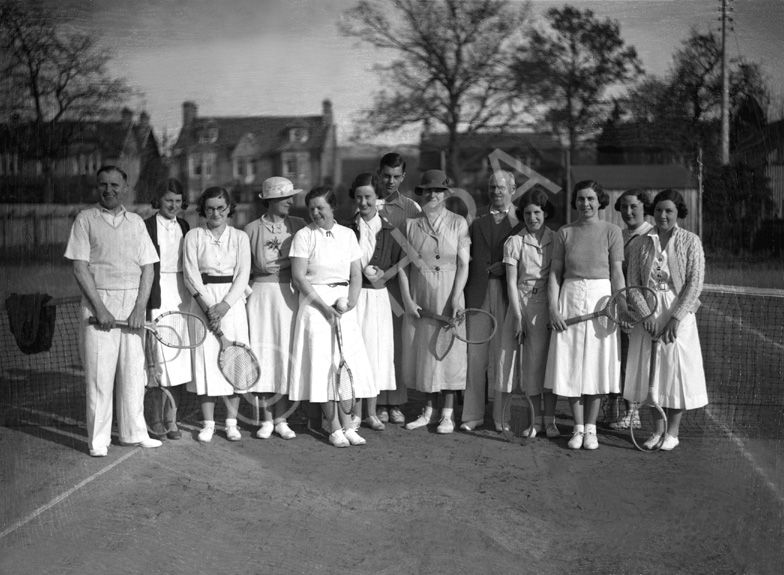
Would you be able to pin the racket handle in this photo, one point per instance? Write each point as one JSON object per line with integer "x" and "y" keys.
{"x": 218, "y": 332}
{"x": 433, "y": 315}
{"x": 586, "y": 317}
{"x": 117, "y": 323}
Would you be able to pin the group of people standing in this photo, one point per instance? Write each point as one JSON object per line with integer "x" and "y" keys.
{"x": 282, "y": 285}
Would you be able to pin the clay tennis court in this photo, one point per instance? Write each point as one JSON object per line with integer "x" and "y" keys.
{"x": 407, "y": 502}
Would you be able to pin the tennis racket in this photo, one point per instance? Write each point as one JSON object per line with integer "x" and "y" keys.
{"x": 629, "y": 306}
{"x": 178, "y": 329}
{"x": 236, "y": 361}
{"x": 483, "y": 326}
{"x": 518, "y": 412}
{"x": 158, "y": 401}
{"x": 344, "y": 379}
{"x": 649, "y": 435}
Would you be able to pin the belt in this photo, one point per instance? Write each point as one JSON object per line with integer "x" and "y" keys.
{"x": 662, "y": 286}
{"x": 208, "y": 279}
{"x": 283, "y": 276}
{"x": 336, "y": 284}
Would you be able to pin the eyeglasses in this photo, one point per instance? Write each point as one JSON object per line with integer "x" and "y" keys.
{"x": 221, "y": 210}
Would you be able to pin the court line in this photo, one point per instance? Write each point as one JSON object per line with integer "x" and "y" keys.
{"x": 741, "y": 445}
{"x": 66, "y": 494}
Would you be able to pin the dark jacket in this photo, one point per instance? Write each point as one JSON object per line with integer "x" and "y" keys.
{"x": 387, "y": 254}
{"x": 483, "y": 254}
{"x": 152, "y": 228}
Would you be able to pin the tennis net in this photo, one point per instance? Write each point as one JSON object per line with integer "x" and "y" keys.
{"x": 741, "y": 332}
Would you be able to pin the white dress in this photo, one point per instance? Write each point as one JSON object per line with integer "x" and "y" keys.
{"x": 680, "y": 377}
{"x": 227, "y": 256}
{"x": 272, "y": 307}
{"x": 315, "y": 354}
{"x": 175, "y": 363}
{"x": 374, "y": 313}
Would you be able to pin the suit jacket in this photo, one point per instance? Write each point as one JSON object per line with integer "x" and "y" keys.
{"x": 483, "y": 254}
{"x": 152, "y": 228}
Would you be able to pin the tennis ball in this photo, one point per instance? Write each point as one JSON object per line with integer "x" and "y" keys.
{"x": 341, "y": 304}
{"x": 370, "y": 271}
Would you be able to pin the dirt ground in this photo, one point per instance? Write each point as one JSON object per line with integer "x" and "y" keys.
{"x": 407, "y": 502}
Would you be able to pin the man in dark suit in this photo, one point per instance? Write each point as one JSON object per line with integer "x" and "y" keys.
{"x": 486, "y": 289}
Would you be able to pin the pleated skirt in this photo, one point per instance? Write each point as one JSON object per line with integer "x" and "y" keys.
{"x": 374, "y": 314}
{"x": 272, "y": 310}
{"x": 315, "y": 354}
{"x": 585, "y": 358}
{"x": 175, "y": 363}
{"x": 207, "y": 377}
{"x": 680, "y": 377}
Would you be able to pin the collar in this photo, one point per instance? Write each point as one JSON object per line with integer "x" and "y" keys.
{"x": 166, "y": 222}
{"x": 121, "y": 212}
{"x": 327, "y": 234}
{"x": 530, "y": 239}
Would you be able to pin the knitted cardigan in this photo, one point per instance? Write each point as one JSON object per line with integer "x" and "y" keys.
{"x": 687, "y": 267}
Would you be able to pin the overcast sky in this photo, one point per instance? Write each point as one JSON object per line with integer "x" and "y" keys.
{"x": 275, "y": 57}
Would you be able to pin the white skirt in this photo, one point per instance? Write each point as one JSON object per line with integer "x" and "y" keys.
{"x": 207, "y": 377}
{"x": 374, "y": 314}
{"x": 585, "y": 358}
{"x": 272, "y": 308}
{"x": 316, "y": 356}
{"x": 535, "y": 347}
{"x": 175, "y": 363}
{"x": 680, "y": 376}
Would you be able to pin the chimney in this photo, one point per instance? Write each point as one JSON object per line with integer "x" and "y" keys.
{"x": 326, "y": 111}
{"x": 189, "y": 113}
{"x": 127, "y": 117}
{"x": 144, "y": 121}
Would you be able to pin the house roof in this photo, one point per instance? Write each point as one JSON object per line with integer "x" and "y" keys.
{"x": 271, "y": 132}
{"x": 109, "y": 137}
{"x": 625, "y": 177}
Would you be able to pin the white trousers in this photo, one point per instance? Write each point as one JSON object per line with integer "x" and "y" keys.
{"x": 113, "y": 361}
{"x": 484, "y": 359}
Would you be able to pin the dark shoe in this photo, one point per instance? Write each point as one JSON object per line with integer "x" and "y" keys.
{"x": 156, "y": 431}
{"x": 175, "y": 434}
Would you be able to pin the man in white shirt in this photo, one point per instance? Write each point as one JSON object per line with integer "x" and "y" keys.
{"x": 113, "y": 259}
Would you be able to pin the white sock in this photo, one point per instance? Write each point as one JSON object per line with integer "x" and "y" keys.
{"x": 428, "y": 412}
{"x": 579, "y": 428}
{"x": 231, "y": 423}
{"x": 446, "y": 412}
{"x": 590, "y": 428}
{"x": 208, "y": 423}
{"x": 548, "y": 419}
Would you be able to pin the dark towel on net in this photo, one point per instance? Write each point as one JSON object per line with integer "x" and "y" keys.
{"x": 31, "y": 322}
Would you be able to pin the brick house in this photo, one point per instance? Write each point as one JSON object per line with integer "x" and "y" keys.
{"x": 239, "y": 153}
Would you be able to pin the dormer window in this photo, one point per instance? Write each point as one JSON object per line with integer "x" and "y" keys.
{"x": 299, "y": 135}
{"x": 208, "y": 135}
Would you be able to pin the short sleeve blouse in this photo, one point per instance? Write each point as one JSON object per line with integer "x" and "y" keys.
{"x": 329, "y": 253}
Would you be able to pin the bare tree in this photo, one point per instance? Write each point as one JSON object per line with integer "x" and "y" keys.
{"x": 568, "y": 68}
{"x": 52, "y": 80}
{"x": 450, "y": 67}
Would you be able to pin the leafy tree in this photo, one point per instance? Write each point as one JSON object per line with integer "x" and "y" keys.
{"x": 568, "y": 68}
{"x": 53, "y": 80}
{"x": 450, "y": 63}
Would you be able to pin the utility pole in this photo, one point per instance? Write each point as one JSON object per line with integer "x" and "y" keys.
{"x": 725, "y": 87}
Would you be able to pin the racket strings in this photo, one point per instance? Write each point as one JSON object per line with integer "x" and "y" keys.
{"x": 239, "y": 366}
{"x": 475, "y": 326}
{"x": 181, "y": 330}
{"x": 632, "y": 305}
{"x": 345, "y": 386}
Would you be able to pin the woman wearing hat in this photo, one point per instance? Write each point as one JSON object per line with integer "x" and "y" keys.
{"x": 326, "y": 270}
{"x": 272, "y": 306}
{"x": 168, "y": 293}
{"x": 439, "y": 252}
{"x": 216, "y": 265}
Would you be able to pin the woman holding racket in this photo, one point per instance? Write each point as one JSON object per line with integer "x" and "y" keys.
{"x": 583, "y": 361}
{"x": 380, "y": 253}
{"x": 669, "y": 260}
{"x": 326, "y": 269}
{"x": 527, "y": 256}
{"x": 633, "y": 205}
{"x": 216, "y": 264}
{"x": 439, "y": 249}
{"x": 272, "y": 306}
{"x": 168, "y": 293}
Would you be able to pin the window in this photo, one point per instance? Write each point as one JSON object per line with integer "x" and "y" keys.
{"x": 201, "y": 166}
{"x": 290, "y": 168}
{"x": 194, "y": 166}
{"x": 208, "y": 136}
{"x": 239, "y": 168}
{"x": 298, "y": 135}
{"x": 209, "y": 162}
